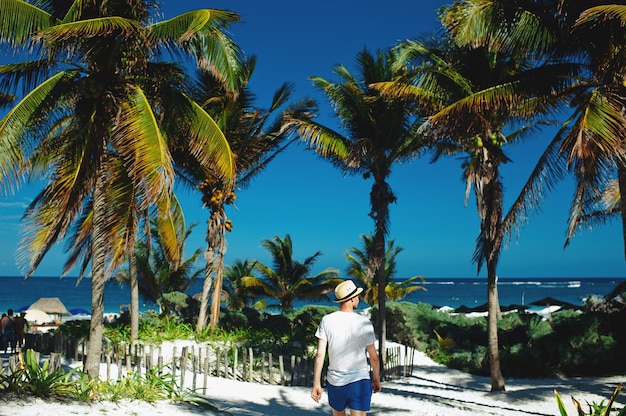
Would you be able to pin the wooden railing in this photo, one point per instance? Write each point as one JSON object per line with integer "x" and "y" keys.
{"x": 192, "y": 365}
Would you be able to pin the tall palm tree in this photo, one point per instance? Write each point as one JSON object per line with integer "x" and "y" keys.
{"x": 590, "y": 38}
{"x": 288, "y": 280}
{"x": 357, "y": 269}
{"x": 378, "y": 135}
{"x": 96, "y": 102}
{"x": 479, "y": 101}
{"x": 256, "y": 137}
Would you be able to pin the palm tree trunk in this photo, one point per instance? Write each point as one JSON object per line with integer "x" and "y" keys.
{"x": 212, "y": 239}
{"x": 497, "y": 380}
{"x": 621, "y": 177}
{"x": 489, "y": 203}
{"x": 216, "y": 299}
{"x": 380, "y": 198}
{"x": 217, "y": 290}
{"x": 98, "y": 248}
{"x": 206, "y": 289}
{"x": 134, "y": 298}
{"x": 382, "y": 314}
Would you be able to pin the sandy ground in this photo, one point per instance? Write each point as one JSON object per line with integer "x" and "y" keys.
{"x": 432, "y": 390}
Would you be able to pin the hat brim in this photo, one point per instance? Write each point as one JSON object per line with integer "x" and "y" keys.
{"x": 357, "y": 292}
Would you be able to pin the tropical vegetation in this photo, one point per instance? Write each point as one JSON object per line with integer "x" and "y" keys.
{"x": 156, "y": 274}
{"x": 287, "y": 279}
{"x": 358, "y": 261}
{"x": 101, "y": 115}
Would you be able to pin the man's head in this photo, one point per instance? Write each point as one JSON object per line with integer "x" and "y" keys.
{"x": 346, "y": 290}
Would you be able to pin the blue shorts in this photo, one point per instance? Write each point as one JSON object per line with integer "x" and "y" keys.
{"x": 356, "y": 395}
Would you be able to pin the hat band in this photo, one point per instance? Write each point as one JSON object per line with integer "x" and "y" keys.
{"x": 348, "y": 295}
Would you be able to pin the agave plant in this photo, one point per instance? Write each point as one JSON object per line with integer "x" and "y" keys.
{"x": 595, "y": 409}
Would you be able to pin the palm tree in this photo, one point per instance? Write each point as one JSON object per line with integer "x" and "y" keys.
{"x": 97, "y": 103}
{"x": 474, "y": 95}
{"x": 255, "y": 139}
{"x": 238, "y": 295}
{"x": 357, "y": 269}
{"x": 289, "y": 280}
{"x": 590, "y": 38}
{"x": 378, "y": 136}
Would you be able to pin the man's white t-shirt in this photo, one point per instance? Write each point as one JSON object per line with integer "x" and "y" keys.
{"x": 348, "y": 334}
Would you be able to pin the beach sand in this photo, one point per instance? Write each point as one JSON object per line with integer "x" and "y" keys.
{"x": 432, "y": 390}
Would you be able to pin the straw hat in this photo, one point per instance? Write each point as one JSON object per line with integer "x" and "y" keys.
{"x": 346, "y": 290}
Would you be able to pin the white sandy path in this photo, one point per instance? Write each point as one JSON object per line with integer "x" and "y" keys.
{"x": 432, "y": 390}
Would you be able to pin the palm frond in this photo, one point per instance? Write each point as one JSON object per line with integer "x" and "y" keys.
{"x": 219, "y": 54}
{"x": 501, "y": 26}
{"x": 89, "y": 28}
{"x": 138, "y": 133}
{"x": 12, "y": 162}
{"x": 549, "y": 170}
{"x": 208, "y": 144}
{"x": 323, "y": 140}
{"x": 19, "y": 20}
{"x": 601, "y": 13}
{"x": 184, "y": 27}
{"x": 171, "y": 224}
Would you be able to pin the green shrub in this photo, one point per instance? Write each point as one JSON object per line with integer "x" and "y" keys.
{"x": 32, "y": 378}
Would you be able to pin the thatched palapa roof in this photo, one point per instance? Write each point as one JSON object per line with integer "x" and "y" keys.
{"x": 50, "y": 305}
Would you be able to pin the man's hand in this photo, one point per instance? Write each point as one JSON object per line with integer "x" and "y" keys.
{"x": 376, "y": 386}
{"x": 316, "y": 393}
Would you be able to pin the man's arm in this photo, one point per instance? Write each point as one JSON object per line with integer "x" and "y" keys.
{"x": 316, "y": 392}
{"x": 375, "y": 364}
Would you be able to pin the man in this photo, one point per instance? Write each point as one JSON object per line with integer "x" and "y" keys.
{"x": 348, "y": 336}
{"x": 8, "y": 331}
{"x": 20, "y": 324}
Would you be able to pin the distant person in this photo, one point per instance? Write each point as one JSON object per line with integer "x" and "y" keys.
{"x": 21, "y": 324}
{"x": 8, "y": 331}
{"x": 2, "y": 345}
{"x": 347, "y": 335}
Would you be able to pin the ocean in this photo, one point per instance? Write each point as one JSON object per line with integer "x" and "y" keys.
{"x": 17, "y": 293}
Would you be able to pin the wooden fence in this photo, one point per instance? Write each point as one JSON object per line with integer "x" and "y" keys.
{"x": 192, "y": 365}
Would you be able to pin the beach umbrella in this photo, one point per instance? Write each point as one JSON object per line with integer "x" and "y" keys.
{"x": 550, "y": 301}
{"x": 36, "y": 316}
{"x": 79, "y": 311}
{"x": 515, "y": 307}
{"x": 22, "y": 309}
{"x": 50, "y": 305}
{"x": 480, "y": 308}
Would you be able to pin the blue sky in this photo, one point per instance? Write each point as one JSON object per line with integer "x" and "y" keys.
{"x": 322, "y": 210}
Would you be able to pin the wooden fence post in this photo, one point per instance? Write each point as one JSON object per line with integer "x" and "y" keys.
{"x": 183, "y": 367}
{"x": 250, "y": 368}
{"x": 206, "y": 373}
{"x": 271, "y": 368}
{"x": 245, "y": 365}
{"x": 293, "y": 370}
{"x": 281, "y": 367}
